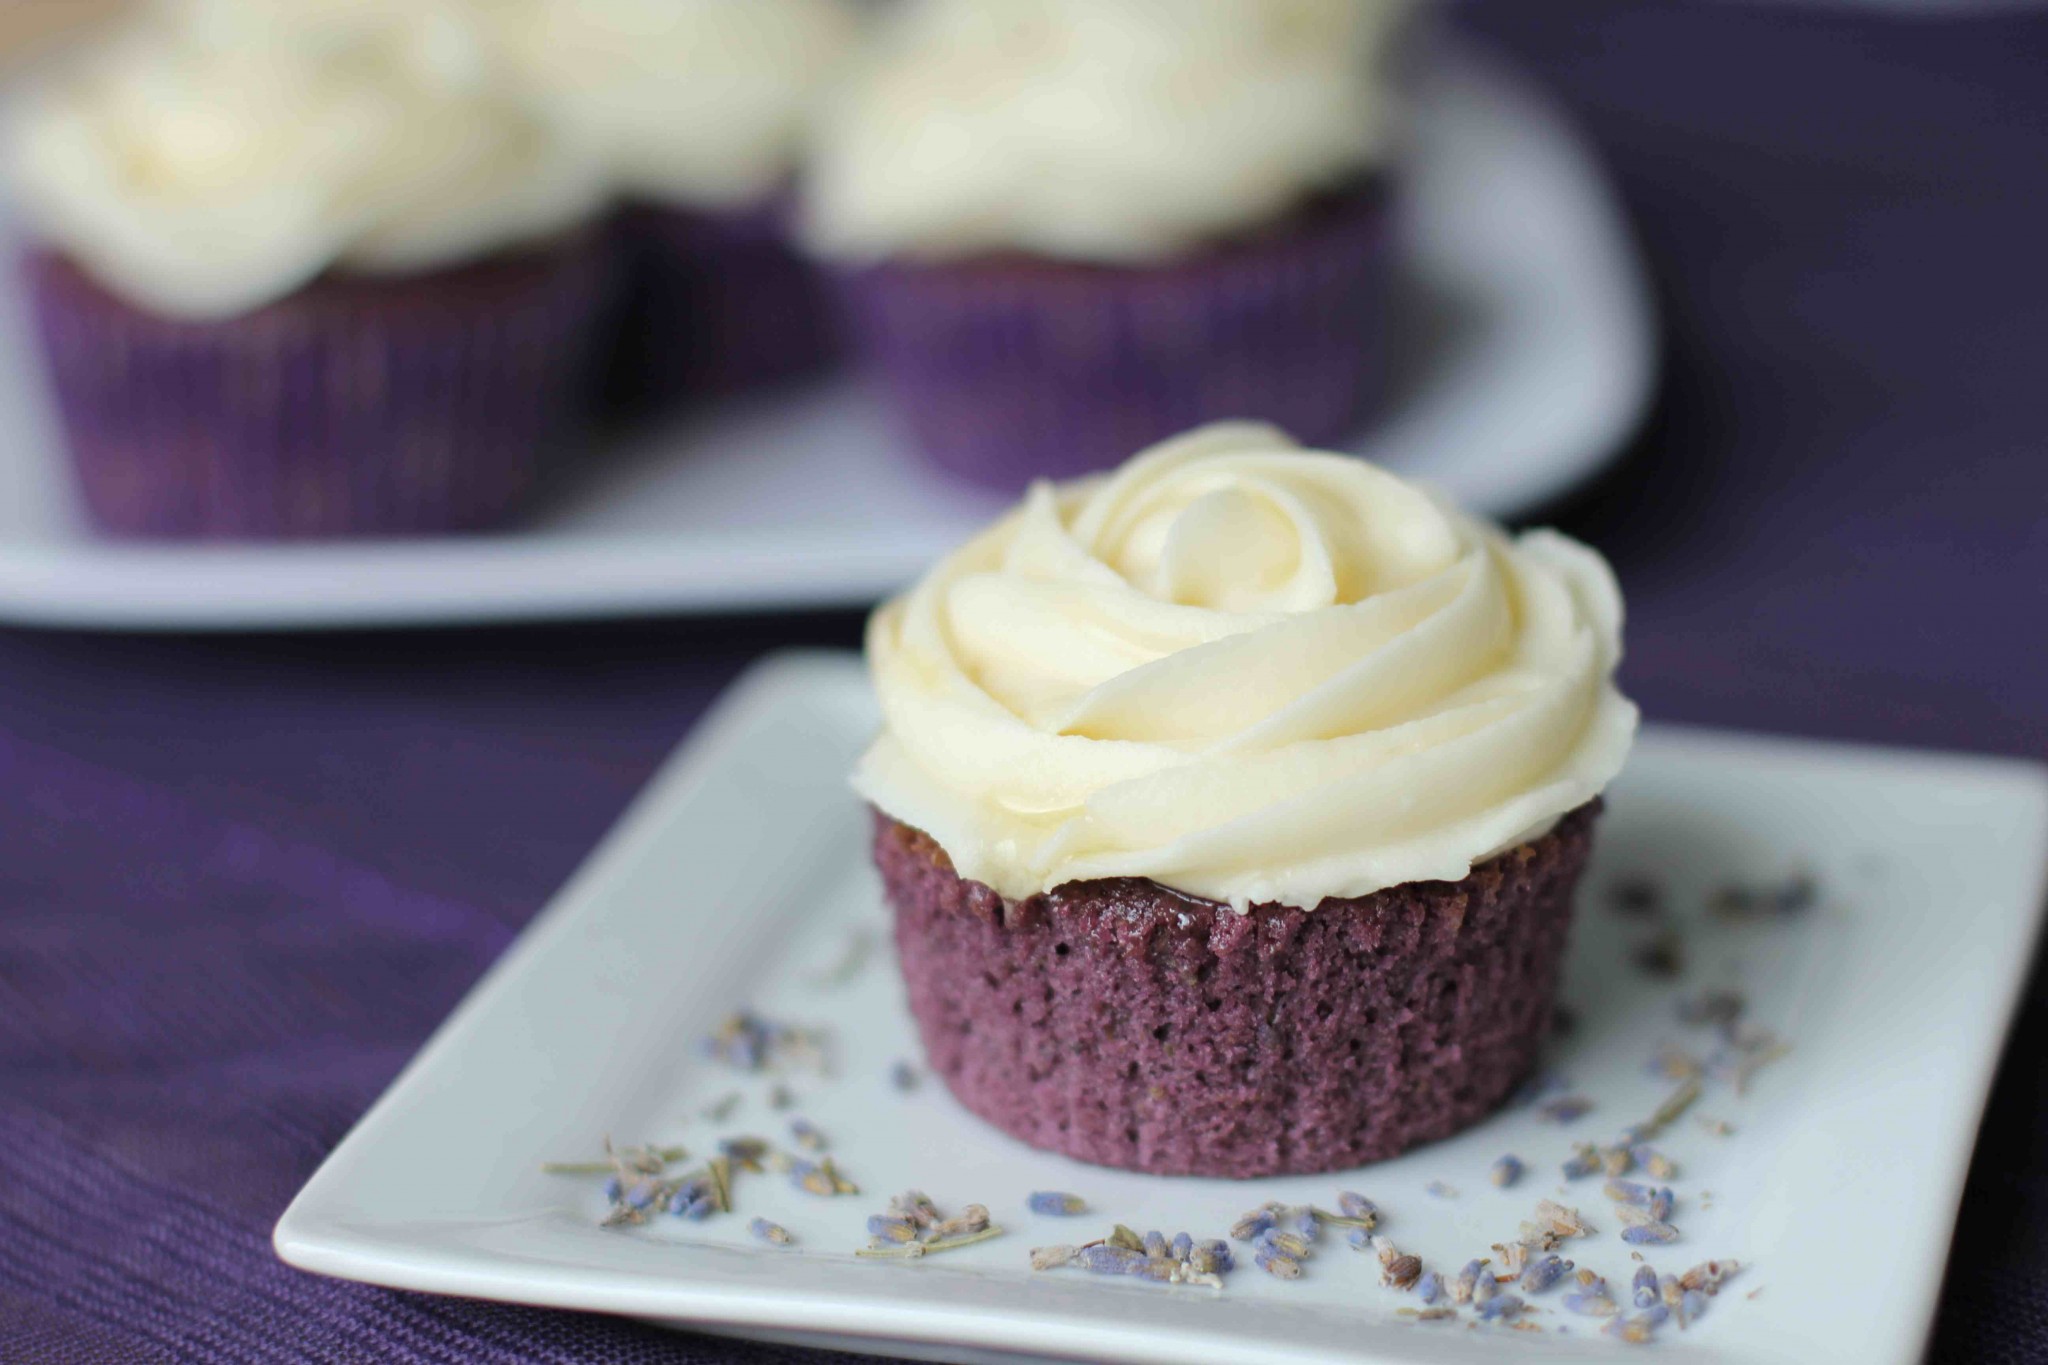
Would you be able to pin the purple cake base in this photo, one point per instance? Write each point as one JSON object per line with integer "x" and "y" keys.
{"x": 1009, "y": 369}
{"x": 1120, "y": 1023}
{"x": 713, "y": 304}
{"x": 359, "y": 405}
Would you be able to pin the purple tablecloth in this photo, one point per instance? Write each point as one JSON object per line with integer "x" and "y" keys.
{"x": 241, "y": 880}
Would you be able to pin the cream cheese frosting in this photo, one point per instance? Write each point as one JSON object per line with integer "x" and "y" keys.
{"x": 1251, "y": 672}
{"x": 694, "y": 102}
{"x": 1120, "y": 131}
{"x": 216, "y": 155}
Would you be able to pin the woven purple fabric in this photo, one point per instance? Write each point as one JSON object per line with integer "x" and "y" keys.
{"x": 241, "y": 880}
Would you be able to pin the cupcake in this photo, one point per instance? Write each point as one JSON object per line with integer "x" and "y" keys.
{"x": 1230, "y": 806}
{"x": 696, "y": 109}
{"x": 305, "y": 268}
{"x": 1062, "y": 230}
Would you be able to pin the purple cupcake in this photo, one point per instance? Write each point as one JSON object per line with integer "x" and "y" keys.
{"x": 1230, "y": 807}
{"x": 306, "y": 273}
{"x": 696, "y": 110}
{"x": 1062, "y": 232}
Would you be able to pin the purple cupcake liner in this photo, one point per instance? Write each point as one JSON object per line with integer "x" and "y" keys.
{"x": 1010, "y": 369}
{"x": 712, "y": 304}
{"x": 1120, "y": 1023}
{"x": 357, "y": 406}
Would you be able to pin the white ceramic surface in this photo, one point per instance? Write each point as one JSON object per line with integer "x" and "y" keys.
{"x": 740, "y": 878}
{"x": 1528, "y": 342}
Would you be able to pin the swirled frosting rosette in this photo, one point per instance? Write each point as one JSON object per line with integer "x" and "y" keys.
{"x": 1250, "y": 672}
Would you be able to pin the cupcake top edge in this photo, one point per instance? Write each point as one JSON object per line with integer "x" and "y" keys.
{"x": 212, "y": 156}
{"x": 1250, "y": 672}
{"x": 1104, "y": 131}
{"x": 695, "y": 103}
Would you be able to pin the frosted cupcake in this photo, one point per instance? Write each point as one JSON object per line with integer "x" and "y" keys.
{"x": 1066, "y": 229}
{"x": 696, "y": 109}
{"x": 305, "y": 269}
{"x": 1230, "y": 807}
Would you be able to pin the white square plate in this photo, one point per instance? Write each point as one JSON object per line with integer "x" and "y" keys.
{"x": 740, "y": 879}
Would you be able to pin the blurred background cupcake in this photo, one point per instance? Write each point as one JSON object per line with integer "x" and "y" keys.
{"x": 1064, "y": 229}
{"x": 696, "y": 109}
{"x": 305, "y": 268}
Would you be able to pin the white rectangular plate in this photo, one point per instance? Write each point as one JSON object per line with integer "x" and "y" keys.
{"x": 1526, "y": 346}
{"x": 740, "y": 878}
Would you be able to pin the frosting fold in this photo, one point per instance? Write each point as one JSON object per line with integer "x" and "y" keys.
{"x": 1251, "y": 672}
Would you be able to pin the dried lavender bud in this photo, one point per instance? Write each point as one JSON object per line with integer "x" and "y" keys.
{"x": 1505, "y": 1171}
{"x": 1659, "y": 1166}
{"x": 1690, "y": 1305}
{"x": 1436, "y": 1189}
{"x": 1123, "y": 1237}
{"x": 891, "y": 1227}
{"x": 1181, "y": 1247}
{"x": 1251, "y": 1225}
{"x": 1616, "y": 1160}
{"x": 770, "y": 1232}
{"x": 700, "y": 1209}
{"x": 1159, "y": 1269}
{"x": 1585, "y": 1160}
{"x": 1649, "y": 1234}
{"x": 807, "y": 1135}
{"x": 1638, "y": 1329}
{"x": 1359, "y": 1207}
{"x": 1661, "y": 1203}
{"x": 1107, "y": 1260}
{"x": 1643, "y": 1289}
{"x": 1669, "y": 1292}
{"x": 1430, "y": 1287}
{"x": 1359, "y": 1239}
{"x": 1155, "y": 1245}
{"x": 1513, "y": 1257}
{"x": 1628, "y": 1192}
{"x": 1544, "y": 1274}
{"x": 1461, "y": 1287}
{"x": 1050, "y": 1258}
{"x": 1057, "y": 1203}
{"x": 1305, "y": 1223}
{"x": 1502, "y": 1306}
{"x": 1708, "y": 1276}
{"x": 974, "y": 1218}
{"x": 1277, "y": 1265}
{"x": 1384, "y": 1248}
{"x": 1565, "y": 1109}
{"x": 745, "y": 1151}
{"x": 1402, "y": 1272}
{"x": 1591, "y": 1304}
{"x": 916, "y": 1206}
{"x": 812, "y": 1179}
{"x": 1290, "y": 1244}
{"x": 1561, "y": 1220}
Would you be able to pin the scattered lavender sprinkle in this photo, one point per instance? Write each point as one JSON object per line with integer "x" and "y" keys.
{"x": 1636, "y": 896}
{"x": 1628, "y": 1192}
{"x": 1430, "y": 1287}
{"x": 1307, "y": 1223}
{"x": 1050, "y": 1258}
{"x": 1661, "y": 1203}
{"x": 1360, "y": 1239}
{"x": 1461, "y": 1287}
{"x": 1542, "y": 1084}
{"x": 1057, "y": 1203}
{"x": 779, "y": 1097}
{"x": 1358, "y": 1206}
{"x": 1650, "y": 1234}
{"x": 1155, "y": 1245}
{"x": 1286, "y": 1243}
{"x": 1402, "y": 1272}
{"x": 700, "y": 1209}
{"x": 1564, "y": 1109}
{"x": 1709, "y": 1276}
{"x": 1616, "y": 1160}
{"x": 1561, "y": 1220}
{"x": 1107, "y": 1260}
{"x": 1636, "y": 1330}
{"x": 1591, "y": 1303}
{"x": 1643, "y": 1289}
{"x": 1584, "y": 1161}
{"x": 1181, "y": 1247}
{"x": 770, "y": 1232}
{"x": 1251, "y": 1225}
{"x": 613, "y": 1189}
{"x": 1484, "y": 1288}
{"x": 1505, "y": 1171}
{"x": 1277, "y": 1265}
{"x": 1502, "y": 1306}
{"x": 720, "y": 1109}
{"x": 1690, "y": 1306}
{"x": 1544, "y": 1274}
{"x": 1428, "y": 1314}
{"x": 1790, "y": 898}
{"x": 891, "y": 1227}
{"x": 1658, "y": 1165}
{"x": 1437, "y": 1189}
{"x": 1674, "y": 1063}
{"x": 903, "y": 1076}
{"x": 807, "y": 1135}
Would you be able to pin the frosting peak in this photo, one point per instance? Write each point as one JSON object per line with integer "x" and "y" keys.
{"x": 1102, "y": 130}
{"x": 1250, "y": 672}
